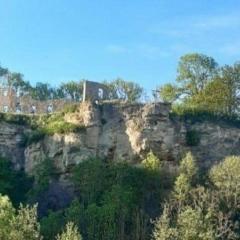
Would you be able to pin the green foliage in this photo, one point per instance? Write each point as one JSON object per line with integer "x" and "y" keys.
{"x": 188, "y": 166}
{"x": 13, "y": 183}
{"x": 204, "y": 91}
{"x": 52, "y": 224}
{"x": 18, "y": 119}
{"x": 195, "y": 71}
{"x": 60, "y": 126}
{"x": 45, "y": 125}
{"x": 210, "y": 212}
{"x": 163, "y": 229}
{"x": 114, "y": 199}
{"x": 124, "y": 90}
{"x": 226, "y": 178}
{"x": 6, "y": 176}
{"x": 192, "y": 138}
{"x": 72, "y": 90}
{"x": 192, "y": 224}
{"x": 151, "y": 162}
{"x": 70, "y": 233}
{"x": 43, "y": 173}
{"x": 168, "y": 92}
{"x": 18, "y": 224}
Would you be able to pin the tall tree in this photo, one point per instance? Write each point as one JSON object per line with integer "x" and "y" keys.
{"x": 195, "y": 71}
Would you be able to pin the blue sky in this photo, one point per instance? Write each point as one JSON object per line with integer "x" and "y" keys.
{"x": 140, "y": 40}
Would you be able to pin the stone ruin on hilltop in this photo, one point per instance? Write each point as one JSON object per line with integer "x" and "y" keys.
{"x": 23, "y": 103}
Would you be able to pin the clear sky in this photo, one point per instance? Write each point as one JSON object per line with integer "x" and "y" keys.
{"x": 140, "y": 40}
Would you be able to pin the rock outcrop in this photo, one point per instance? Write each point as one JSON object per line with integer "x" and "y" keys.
{"x": 122, "y": 133}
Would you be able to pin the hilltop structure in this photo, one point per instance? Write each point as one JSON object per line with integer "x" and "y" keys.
{"x": 14, "y": 102}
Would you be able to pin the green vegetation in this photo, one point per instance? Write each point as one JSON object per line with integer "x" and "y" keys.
{"x": 13, "y": 183}
{"x": 209, "y": 211}
{"x": 119, "y": 201}
{"x": 72, "y": 90}
{"x": 18, "y": 224}
{"x": 124, "y": 90}
{"x": 114, "y": 201}
{"x": 204, "y": 90}
{"x": 43, "y": 173}
{"x": 192, "y": 138}
{"x": 70, "y": 233}
{"x": 42, "y": 125}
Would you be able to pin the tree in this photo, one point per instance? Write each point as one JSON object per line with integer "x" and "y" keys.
{"x": 230, "y": 76}
{"x": 195, "y": 71}
{"x": 124, "y": 90}
{"x": 72, "y": 90}
{"x": 16, "y": 81}
{"x": 42, "y": 91}
{"x": 213, "y": 98}
{"x": 151, "y": 162}
{"x": 162, "y": 227}
{"x": 192, "y": 224}
{"x": 25, "y": 225}
{"x": 169, "y": 92}
{"x": 70, "y": 233}
{"x": 184, "y": 181}
{"x": 7, "y": 213}
{"x": 52, "y": 224}
{"x": 188, "y": 166}
{"x": 226, "y": 177}
{"x": 18, "y": 224}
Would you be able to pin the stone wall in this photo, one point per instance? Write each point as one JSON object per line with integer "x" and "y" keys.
{"x": 41, "y": 107}
{"x": 10, "y": 102}
{"x": 7, "y": 100}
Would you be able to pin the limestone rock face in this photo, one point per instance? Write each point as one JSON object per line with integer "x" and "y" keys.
{"x": 10, "y": 144}
{"x": 122, "y": 133}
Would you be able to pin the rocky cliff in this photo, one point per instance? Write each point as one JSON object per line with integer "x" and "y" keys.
{"x": 122, "y": 133}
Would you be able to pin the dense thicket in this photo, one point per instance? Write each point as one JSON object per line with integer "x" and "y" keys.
{"x": 118, "y": 201}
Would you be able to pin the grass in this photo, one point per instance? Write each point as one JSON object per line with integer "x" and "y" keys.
{"x": 42, "y": 125}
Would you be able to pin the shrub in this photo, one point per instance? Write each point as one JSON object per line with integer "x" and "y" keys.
{"x": 70, "y": 233}
{"x": 151, "y": 162}
{"x": 70, "y": 108}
